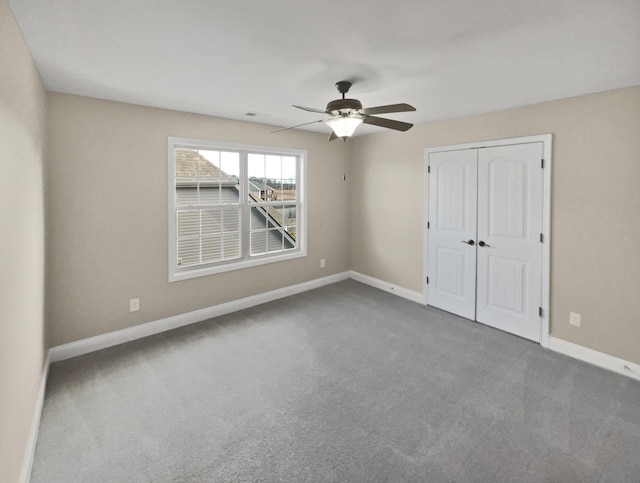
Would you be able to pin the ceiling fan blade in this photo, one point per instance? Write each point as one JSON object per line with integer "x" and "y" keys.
{"x": 311, "y": 109}
{"x": 333, "y": 136}
{"x": 388, "y": 123}
{"x": 387, "y": 109}
{"x": 298, "y": 125}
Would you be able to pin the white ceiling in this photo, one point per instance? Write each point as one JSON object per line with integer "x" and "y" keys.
{"x": 448, "y": 58}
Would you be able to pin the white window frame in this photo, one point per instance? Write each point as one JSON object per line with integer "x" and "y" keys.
{"x": 177, "y": 273}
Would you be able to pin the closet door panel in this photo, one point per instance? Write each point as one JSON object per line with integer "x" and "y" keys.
{"x": 452, "y": 218}
{"x": 509, "y": 258}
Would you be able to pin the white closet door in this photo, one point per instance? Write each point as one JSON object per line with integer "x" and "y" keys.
{"x": 452, "y": 232}
{"x": 509, "y": 251}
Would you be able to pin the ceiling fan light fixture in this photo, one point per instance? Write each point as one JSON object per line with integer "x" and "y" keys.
{"x": 345, "y": 115}
{"x": 344, "y": 126}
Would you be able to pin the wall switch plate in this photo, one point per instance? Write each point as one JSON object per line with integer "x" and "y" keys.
{"x": 322, "y": 263}
{"x": 574, "y": 319}
{"x": 134, "y": 305}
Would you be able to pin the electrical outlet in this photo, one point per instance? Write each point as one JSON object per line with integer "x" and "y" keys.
{"x": 574, "y": 319}
{"x": 322, "y": 263}
{"x": 134, "y": 305}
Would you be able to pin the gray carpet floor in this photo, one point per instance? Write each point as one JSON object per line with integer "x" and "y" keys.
{"x": 340, "y": 384}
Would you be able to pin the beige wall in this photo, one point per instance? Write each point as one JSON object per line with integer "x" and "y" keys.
{"x": 22, "y": 103}
{"x": 107, "y": 215}
{"x": 595, "y": 251}
{"x": 107, "y": 205}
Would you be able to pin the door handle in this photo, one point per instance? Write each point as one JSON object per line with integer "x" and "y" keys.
{"x": 470, "y": 242}
{"x": 483, "y": 244}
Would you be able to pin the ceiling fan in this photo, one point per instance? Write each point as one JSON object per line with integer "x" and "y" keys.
{"x": 345, "y": 115}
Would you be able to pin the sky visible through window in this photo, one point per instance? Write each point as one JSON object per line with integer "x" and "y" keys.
{"x": 263, "y": 166}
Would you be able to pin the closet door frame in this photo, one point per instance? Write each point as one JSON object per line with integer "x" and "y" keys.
{"x": 546, "y": 166}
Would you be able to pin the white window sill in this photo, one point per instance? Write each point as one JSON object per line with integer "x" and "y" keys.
{"x": 195, "y": 272}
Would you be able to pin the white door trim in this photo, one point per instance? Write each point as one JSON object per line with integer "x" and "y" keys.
{"x": 546, "y": 214}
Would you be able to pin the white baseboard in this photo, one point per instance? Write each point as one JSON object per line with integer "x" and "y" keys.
{"x": 594, "y": 357}
{"x": 27, "y": 462}
{"x": 103, "y": 341}
{"x": 388, "y": 287}
{"x": 110, "y": 339}
{"x": 575, "y": 351}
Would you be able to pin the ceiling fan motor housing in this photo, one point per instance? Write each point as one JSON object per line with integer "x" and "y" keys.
{"x": 343, "y": 105}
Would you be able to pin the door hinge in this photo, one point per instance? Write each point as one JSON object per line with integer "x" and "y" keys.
{"x": 542, "y": 163}
{"x": 540, "y": 311}
{"x": 429, "y": 169}
{"x": 541, "y": 237}
{"x": 428, "y": 225}
{"x": 427, "y": 280}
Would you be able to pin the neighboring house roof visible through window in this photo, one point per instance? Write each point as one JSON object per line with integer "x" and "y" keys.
{"x": 191, "y": 165}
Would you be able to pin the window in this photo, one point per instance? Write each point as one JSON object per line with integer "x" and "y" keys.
{"x": 233, "y": 206}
